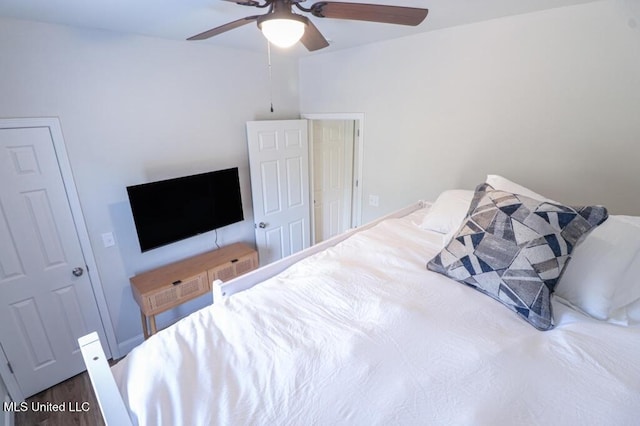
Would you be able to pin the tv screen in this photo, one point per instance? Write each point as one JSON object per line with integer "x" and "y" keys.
{"x": 171, "y": 210}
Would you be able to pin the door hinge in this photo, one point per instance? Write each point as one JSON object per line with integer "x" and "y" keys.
{"x": 358, "y": 132}
{"x": 10, "y": 367}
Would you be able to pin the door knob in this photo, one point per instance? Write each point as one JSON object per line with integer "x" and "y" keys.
{"x": 262, "y": 225}
{"x": 77, "y": 272}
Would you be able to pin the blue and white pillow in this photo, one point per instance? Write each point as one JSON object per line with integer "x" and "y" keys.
{"x": 514, "y": 249}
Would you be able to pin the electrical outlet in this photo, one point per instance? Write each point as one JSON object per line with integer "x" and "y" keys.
{"x": 374, "y": 200}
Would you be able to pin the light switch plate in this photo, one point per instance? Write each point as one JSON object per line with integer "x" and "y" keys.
{"x": 108, "y": 240}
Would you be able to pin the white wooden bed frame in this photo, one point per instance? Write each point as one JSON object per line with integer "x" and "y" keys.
{"x": 111, "y": 404}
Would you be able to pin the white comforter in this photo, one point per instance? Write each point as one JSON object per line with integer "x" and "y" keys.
{"x": 363, "y": 334}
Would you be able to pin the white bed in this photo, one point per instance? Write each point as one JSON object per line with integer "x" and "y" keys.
{"x": 362, "y": 333}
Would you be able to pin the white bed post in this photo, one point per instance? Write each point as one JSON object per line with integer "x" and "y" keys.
{"x": 218, "y": 293}
{"x": 111, "y": 404}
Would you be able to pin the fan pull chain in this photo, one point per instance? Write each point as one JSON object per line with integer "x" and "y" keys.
{"x": 270, "y": 76}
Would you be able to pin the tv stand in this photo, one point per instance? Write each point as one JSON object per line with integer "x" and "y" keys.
{"x": 164, "y": 288}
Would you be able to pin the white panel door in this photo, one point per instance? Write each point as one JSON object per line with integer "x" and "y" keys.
{"x": 46, "y": 297}
{"x": 333, "y": 144}
{"x": 279, "y": 164}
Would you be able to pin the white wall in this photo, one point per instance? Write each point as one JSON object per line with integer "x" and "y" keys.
{"x": 549, "y": 99}
{"x": 136, "y": 109}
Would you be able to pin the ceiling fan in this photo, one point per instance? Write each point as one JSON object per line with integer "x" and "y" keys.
{"x": 282, "y": 27}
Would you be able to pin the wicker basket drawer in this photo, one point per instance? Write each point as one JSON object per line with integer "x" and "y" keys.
{"x": 172, "y": 295}
{"x": 234, "y": 268}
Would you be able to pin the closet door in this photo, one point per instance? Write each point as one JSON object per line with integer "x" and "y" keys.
{"x": 333, "y": 179}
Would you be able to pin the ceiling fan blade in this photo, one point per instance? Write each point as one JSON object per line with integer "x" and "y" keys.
{"x": 223, "y": 28}
{"x": 313, "y": 38}
{"x": 245, "y": 2}
{"x": 370, "y": 12}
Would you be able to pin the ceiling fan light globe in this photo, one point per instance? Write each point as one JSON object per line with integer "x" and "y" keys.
{"x": 283, "y": 32}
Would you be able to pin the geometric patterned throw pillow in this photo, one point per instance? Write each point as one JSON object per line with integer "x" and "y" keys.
{"x": 514, "y": 249}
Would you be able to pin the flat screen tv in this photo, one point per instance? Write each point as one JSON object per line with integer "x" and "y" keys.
{"x": 174, "y": 209}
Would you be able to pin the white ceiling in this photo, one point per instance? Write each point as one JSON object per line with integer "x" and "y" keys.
{"x": 179, "y": 19}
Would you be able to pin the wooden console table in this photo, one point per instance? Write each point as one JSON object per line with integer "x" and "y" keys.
{"x": 169, "y": 286}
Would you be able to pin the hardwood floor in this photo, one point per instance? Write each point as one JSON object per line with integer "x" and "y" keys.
{"x": 77, "y": 398}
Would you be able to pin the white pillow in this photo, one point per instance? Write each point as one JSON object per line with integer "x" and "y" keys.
{"x": 603, "y": 277}
{"x": 451, "y": 206}
{"x": 504, "y": 184}
{"x": 448, "y": 211}
{"x": 626, "y": 299}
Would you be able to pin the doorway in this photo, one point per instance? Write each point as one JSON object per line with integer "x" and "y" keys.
{"x": 335, "y": 147}
{"x": 332, "y": 163}
{"x": 282, "y": 181}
